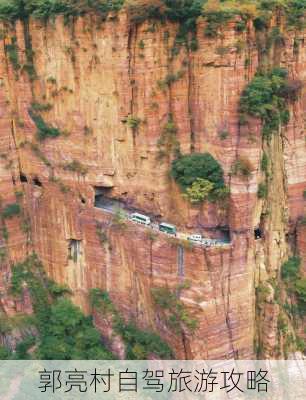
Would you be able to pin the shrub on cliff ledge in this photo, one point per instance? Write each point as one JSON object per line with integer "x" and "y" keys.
{"x": 200, "y": 177}
{"x": 11, "y": 210}
{"x": 168, "y": 142}
{"x": 76, "y": 166}
{"x": 44, "y": 130}
{"x": 133, "y": 122}
{"x": 187, "y": 169}
{"x": 242, "y": 167}
{"x": 262, "y": 191}
{"x": 266, "y": 97}
{"x": 12, "y": 51}
{"x": 199, "y": 190}
{"x": 44, "y": 9}
{"x": 173, "y": 311}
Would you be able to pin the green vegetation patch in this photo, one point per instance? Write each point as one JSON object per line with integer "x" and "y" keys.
{"x": 295, "y": 12}
{"x": 133, "y": 122}
{"x": 12, "y": 51}
{"x": 44, "y": 9}
{"x": 264, "y": 164}
{"x": 242, "y": 167}
{"x": 168, "y": 142}
{"x": 41, "y": 107}
{"x": 173, "y": 311}
{"x": 291, "y": 268}
{"x": 295, "y": 282}
{"x": 63, "y": 330}
{"x": 183, "y": 12}
{"x": 76, "y": 166}
{"x": 140, "y": 344}
{"x": 267, "y": 97}
{"x": 44, "y": 130}
{"x": 200, "y": 177}
{"x": 11, "y": 210}
{"x": 262, "y": 191}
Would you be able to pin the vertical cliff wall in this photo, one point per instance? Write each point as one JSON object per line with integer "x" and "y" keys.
{"x": 89, "y": 79}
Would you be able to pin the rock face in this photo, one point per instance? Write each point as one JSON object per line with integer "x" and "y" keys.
{"x": 95, "y": 78}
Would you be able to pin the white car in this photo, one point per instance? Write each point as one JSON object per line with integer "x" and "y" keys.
{"x": 195, "y": 238}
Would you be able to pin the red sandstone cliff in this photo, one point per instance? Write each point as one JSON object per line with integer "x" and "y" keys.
{"x": 95, "y": 76}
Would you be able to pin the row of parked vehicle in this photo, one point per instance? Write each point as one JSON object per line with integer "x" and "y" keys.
{"x": 144, "y": 220}
{"x": 172, "y": 230}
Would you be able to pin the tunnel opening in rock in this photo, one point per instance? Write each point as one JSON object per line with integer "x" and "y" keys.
{"x": 37, "y": 182}
{"x": 23, "y": 178}
{"x": 102, "y": 194}
{"x": 225, "y": 233}
{"x": 74, "y": 250}
{"x": 257, "y": 233}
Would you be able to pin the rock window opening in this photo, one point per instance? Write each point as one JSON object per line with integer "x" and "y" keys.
{"x": 23, "y": 178}
{"x": 37, "y": 182}
{"x": 257, "y": 233}
{"x": 74, "y": 250}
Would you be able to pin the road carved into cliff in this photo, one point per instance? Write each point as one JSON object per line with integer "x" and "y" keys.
{"x": 117, "y": 207}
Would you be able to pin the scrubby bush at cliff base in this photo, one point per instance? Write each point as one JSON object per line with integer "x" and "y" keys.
{"x": 295, "y": 282}
{"x": 290, "y": 269}
{"x": 5, "y": 353}
{"x": 200, "y": 177}
{"x": 140, "y": 344}
{"x": 70, "y": 335}
{"x": 173, "y": 311}
{"x": 63, "y": 330}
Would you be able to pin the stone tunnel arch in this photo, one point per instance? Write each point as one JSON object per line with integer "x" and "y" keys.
{"x": 102, "y": 193}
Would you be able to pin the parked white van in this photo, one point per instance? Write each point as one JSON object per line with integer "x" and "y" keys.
{"x": 195, "y": 238}
{"x": 140, "y": 219}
